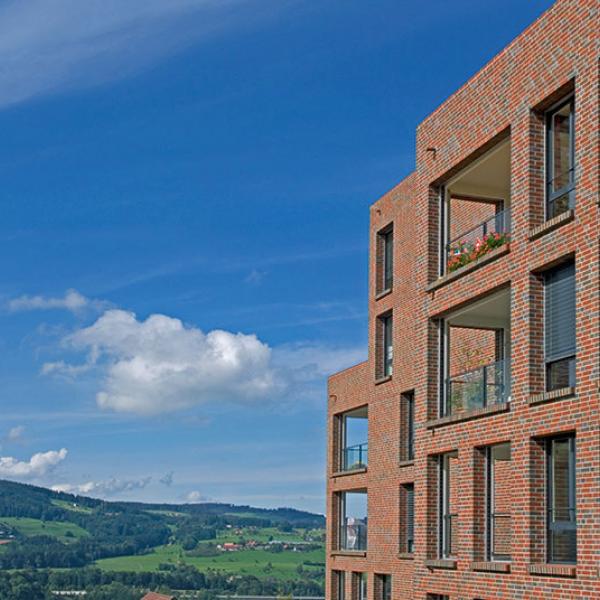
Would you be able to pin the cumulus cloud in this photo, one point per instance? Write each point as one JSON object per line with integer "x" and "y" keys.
{"x": 38, "y": 465}
{"x": 160, "y": 364}
{"x": 48, "y": 47}
{"x": 72, "y": 301}
{"x": 102, "y": 489}
{"x": 195, "y": 496}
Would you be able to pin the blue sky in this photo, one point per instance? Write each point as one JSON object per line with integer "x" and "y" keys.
{"x": 183, "y": 241}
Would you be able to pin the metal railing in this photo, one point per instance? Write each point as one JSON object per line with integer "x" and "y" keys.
{"x": 477, "y": 388}
{"x": 353, "y": 536}
{"x": 450, "y": 535}
{"x": 355, "y": 457}
{"x": 477, "y": 241}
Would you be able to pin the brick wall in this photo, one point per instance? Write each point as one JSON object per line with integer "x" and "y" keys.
{"x": 559, "y": 53}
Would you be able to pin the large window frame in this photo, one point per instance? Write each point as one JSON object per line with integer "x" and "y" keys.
{"x": 567, "y": 190}
{"x": 556, "y": 526}
{"x": 385, "y": 345}
{"x": 446, "y": 544}
{"x": 340, "y": 584}
{"x": 385, "y": 260}
{"x": 490, "y": 506}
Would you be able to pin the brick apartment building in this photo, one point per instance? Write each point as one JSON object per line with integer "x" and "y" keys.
{"x": 464, "y": 454}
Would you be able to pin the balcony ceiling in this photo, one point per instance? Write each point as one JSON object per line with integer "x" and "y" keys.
{"x": 489, "y": 176}
{"x": 490, "y": 312}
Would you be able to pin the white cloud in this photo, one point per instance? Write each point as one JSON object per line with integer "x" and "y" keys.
{"x": 110, "y": 487}
{"x": 15, "y": 433}
{"x": 160, "y": 364}
{"x": 72, "y": 301}
{"x": 38, "y": 465}
{"x": 195, "y": 496}
{"x": 52, "y": 46}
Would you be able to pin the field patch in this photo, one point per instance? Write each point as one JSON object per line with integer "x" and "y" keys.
{"x": 61, "y": 530}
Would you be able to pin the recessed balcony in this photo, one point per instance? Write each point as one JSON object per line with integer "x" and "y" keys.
{"x": 475, "y": 206}
{"x": 353, "y": 522}
{"x": 475, "y": 355}
{"x": 353, "y": 434}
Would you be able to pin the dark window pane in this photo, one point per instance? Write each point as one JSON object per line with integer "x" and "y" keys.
{"x": 388, "y": 260}
{"x": 561, "y": 148}
{"x": 562, "y": 532}
{"x": 559, "y": 326}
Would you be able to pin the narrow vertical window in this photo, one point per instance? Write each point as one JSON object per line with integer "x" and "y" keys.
{"x": 560, "y": 342}
{"x": 384, "y": 346}
{"x": 407, "y": 518}
{"x": 383, "y": 588}
{"x": 560, "y": 158}
{"x": 385, "y": 260}
{"x": 360, "y": 586}
{"x": 339, "y": 584}
{"x": 407, "y": 426}
{"x": 448, "y": 517}
{"x": 388, "y": 345}
{"x": 561, "y": 521}
{"x": 410, "y": 423}
{"x": 499, "y": 503}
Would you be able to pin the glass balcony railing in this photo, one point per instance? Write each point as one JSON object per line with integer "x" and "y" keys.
{"x": 477, "y": 388}
{"x": 355, "y": 457}
{"x": 353, "y": 535}
{"x": 478, "y": 241}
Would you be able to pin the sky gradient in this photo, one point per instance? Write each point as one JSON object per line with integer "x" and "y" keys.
{"x": 184, "y": 231}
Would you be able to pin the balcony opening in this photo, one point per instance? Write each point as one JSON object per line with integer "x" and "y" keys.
{"x": 475, "y": 351}
{"x": 354, "y": 430}
{"x": 475, "y": 206}
{"x": 353, "y": 522}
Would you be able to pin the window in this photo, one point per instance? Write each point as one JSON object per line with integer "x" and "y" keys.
{"x": 561, "y": 524}
{"x": 353, "y": 522}
{"x": 353, "y": 434}
{"x": 498, "y": 502}
{"x": 559, "y": 309}
{"x": 560, "y": 158}
{"x": 448, "y": 518}
{"x": 385, "y": 346}
{"x": 407, "y": 425}
{"x": 360, "y": 586}
{"x": 385, "y": 260}
{"x": 407, "y": 518}
{"x": 339, "y": 585}
{"x": 383, "y": 587}
{"x": 437, "y": 597}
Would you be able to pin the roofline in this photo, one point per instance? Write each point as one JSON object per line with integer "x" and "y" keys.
{"x": 488, "y": 65}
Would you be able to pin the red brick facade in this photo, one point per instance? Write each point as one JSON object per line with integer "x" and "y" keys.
{"x": 557, "y": 55}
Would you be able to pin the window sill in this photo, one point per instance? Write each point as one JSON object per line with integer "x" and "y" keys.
{"x": 491, "y": 566}
{"x": 346, "y": 473}
{"x": 562, "y": 393}
{"x": 553, "y": 570}
{"x": 359, "y": 553}
{"x": 406, "y": 556}
{"x": 441, "y": 563}
{"x": 406, "y": 463}
{"x": 467, "y": 415}
{"x": 480, "y": 262}
{"x": 383, "y": 294}
{"x": 551, "y": 224}
{"x": 383, "y": 380}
